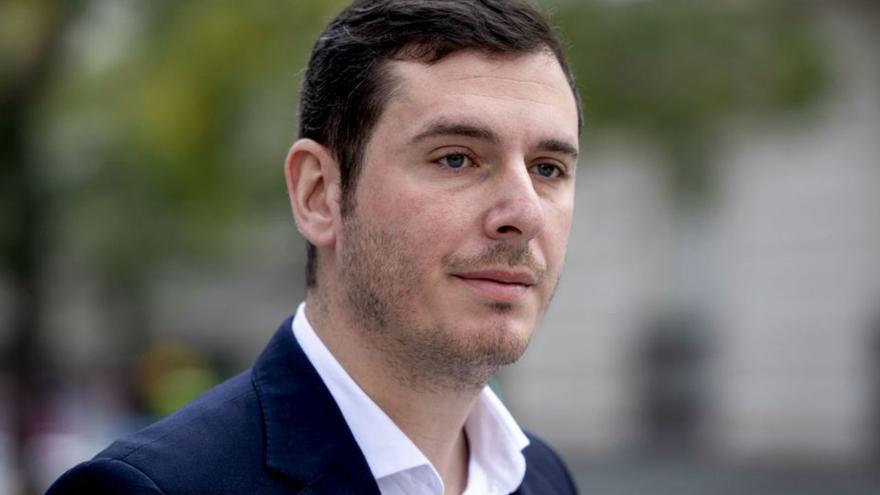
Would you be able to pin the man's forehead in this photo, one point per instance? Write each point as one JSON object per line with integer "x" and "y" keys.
{"x": 481, "y": 83}
{"x": 518, "y": 73}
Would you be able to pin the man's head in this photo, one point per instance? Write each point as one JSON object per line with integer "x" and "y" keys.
{"x": 348, "y": 84}
{"x": 437, "y": 187}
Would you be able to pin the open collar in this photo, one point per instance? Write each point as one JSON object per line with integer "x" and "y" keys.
{"x": 306, "y": 436}
{"x": 386, "y": 448}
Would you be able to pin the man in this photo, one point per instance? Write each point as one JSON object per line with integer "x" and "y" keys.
{"x": 434, "y": 182}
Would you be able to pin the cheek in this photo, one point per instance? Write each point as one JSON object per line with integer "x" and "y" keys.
{"x": 557, "y": 231}
{"x": 421, "y": 214}
{"x": 415, "y": 229}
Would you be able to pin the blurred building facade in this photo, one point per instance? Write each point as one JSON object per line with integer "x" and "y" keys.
{"x": 747, "y": 329}
{"x": 799, "y": 241}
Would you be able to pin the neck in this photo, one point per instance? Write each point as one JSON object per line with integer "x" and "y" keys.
{"x": 433, "y": 417}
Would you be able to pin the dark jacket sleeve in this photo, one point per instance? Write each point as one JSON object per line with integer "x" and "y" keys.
{"x": 104, "y": 476}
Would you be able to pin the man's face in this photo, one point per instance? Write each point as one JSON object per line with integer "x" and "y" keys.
{"x": 462, "y": 210}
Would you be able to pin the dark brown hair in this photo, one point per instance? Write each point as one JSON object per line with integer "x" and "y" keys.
{"x": 347, "y": 85}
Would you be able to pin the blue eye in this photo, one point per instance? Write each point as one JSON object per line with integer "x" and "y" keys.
{"x": 548, "y": 170}
{"x": 455, "y": 160}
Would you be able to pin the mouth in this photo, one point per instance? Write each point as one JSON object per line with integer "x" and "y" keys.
{"x": 499, "y": 285}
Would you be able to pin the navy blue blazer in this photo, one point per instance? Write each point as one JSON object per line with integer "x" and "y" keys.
{"x": 274, "y": 429}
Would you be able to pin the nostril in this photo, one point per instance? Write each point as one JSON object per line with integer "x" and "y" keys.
{"x": 505, "y": 229}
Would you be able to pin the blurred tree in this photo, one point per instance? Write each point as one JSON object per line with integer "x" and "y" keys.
{"x": 132, "y": 133}
{"x": 676, "y": 70}
{"x": 32, "y": 34}
{"x": 169, "y": 131}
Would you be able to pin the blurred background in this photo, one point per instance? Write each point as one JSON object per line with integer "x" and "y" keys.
{"x": 717, "y": 329}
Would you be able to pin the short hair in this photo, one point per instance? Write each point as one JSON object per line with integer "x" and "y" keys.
{"x": 347, "y": 84}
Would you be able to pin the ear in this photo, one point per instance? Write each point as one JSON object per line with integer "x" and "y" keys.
{"x": 313, "y": 186}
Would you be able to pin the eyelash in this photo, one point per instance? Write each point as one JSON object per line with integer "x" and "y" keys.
{"x": 470, "y": 158}
{"x": 561, "y": 173}
{"x": 560, "y": 170}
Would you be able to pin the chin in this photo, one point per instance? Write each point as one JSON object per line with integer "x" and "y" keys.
{"x": 518, "y": 318}
{"x": 497, "y": 342}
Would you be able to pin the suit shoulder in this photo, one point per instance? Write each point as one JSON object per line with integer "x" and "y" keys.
{"x": 104, "y": 476}
{"x": 545, "y": 470}
{"x": 226, "y": 406}
{"x": 207, "y": 439}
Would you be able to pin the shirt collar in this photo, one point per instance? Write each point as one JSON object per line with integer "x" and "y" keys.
{"x": 387, "y": 449}
{"x": 497, "y": 464}
{"x": 494, "y": 438}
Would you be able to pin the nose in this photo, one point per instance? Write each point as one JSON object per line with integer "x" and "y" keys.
{"x": 516, "y": 212}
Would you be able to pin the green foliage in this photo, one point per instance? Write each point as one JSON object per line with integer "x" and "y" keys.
{"x": 676, "y": 69}
{"x": 159, "y": 145}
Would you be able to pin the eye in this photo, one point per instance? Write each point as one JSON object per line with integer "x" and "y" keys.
{"x": 455, "y": 160}
{"x": 548, "y": 170}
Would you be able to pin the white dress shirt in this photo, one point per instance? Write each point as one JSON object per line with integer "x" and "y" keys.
{"x": 496, "y": 465}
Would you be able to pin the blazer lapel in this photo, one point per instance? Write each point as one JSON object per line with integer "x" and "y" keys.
{"x": 306, "y": 436}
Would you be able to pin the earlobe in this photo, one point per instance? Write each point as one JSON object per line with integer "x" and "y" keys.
{"x": 313, "y": 187}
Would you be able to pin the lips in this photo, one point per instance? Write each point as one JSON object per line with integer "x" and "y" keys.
{"x": 499, "y": 285}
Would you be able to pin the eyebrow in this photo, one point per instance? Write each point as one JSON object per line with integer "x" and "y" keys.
{"x": 447, "y": 128}
{"x": 558, "y": 146}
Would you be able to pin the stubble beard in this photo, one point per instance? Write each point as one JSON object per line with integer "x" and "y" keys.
{"x": 381, "y": 278}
